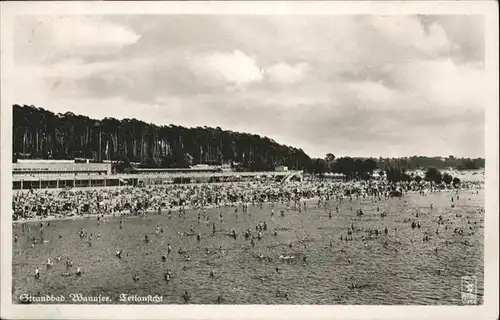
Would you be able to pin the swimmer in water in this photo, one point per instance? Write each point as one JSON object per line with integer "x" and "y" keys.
{"x": 78, "y": 271}
{"x": 37, "y": 274}
{"x": 186, "y": 296}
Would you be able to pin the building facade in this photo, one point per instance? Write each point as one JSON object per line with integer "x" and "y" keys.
{"x": 58, "y": 167}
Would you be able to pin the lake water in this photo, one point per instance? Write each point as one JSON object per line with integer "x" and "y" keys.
{"x": 405, "y": 270}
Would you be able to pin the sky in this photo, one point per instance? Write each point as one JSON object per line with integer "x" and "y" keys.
{"x": 358, "y": 85}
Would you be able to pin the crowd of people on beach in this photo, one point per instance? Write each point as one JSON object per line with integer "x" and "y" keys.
{"x": 47, "y": 203}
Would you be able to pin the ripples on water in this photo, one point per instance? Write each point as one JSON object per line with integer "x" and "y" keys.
{"x": 395, "y": 273}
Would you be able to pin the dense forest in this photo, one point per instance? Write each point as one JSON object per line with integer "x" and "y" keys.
{"x": 41, "y": 134}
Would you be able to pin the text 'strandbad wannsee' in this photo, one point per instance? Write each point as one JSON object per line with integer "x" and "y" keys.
{"x": 80, "y": 298}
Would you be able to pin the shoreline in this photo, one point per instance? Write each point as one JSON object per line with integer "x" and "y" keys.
{"x": 115, "y": 215}
{"x": 173, "y": 209}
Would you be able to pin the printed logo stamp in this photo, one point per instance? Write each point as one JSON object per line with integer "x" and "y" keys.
{"x": 469, "y": 290}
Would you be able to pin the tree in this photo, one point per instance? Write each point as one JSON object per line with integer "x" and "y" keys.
{"x": 345, "y": 166}
{"x": 319, "y": 166}
{"x": 359, "y": 167}
{"x": 370, "y": 165}
{"x": 392, "y": 174}
{"x": 434, "y": 175}
{"x": 447, "y": 178}
{"x": 330, "y": 158}
{"x": 405, "y": 177}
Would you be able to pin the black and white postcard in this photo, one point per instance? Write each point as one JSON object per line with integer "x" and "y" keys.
{"x": 256, "y": 160}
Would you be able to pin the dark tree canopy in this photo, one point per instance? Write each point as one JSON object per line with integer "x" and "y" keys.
{"x": 41, "y": 134}
{"x": 447, "y": 178}
{"x": 434, "y": 175}
{"x": 420, "y": 162}
{"x": 397, "y": 174}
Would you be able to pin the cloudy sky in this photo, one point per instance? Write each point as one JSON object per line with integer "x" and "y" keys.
{"x": 350, "y": 85}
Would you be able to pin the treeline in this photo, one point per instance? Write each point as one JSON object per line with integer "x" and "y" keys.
{"x": 418, "y": 162}
{"x": 431, "y": 175}
{"x": 363, "y": 168}
{"x": 393, "y": 169}
{"x": 41, "y": 134}
{"x": 351, "y": 168}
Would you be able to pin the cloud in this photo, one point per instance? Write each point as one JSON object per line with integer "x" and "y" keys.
{"x": 466, "y": 31}
{"x": 444, "y": 84}
{"x": 285, "y": 73}
{"x": 235, "y": 68}
{"x": 53, "y": 38}
{"x": 407, "y": 33}
{"x": 357, "y": 85}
